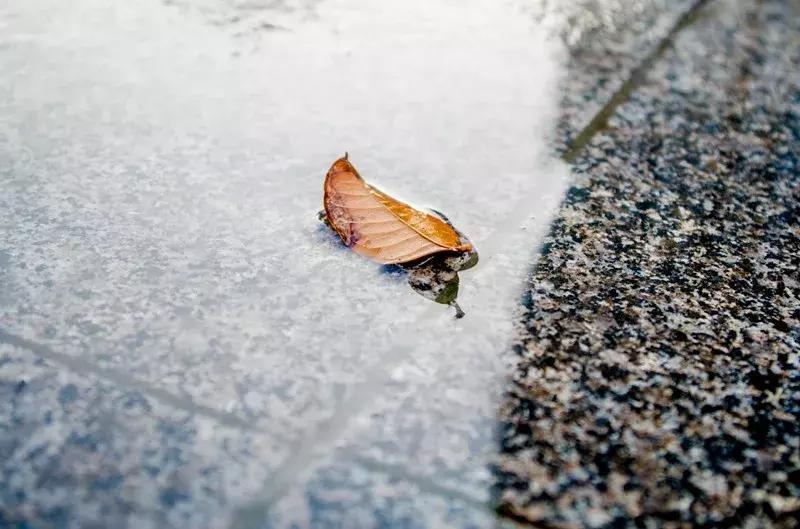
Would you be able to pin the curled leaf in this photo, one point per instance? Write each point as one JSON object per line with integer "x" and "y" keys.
{"x": 391, "y": 232}
{"x": 380, "y": 227}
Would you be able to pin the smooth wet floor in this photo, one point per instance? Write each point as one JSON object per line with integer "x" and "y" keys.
{"x": 182, "y": 343}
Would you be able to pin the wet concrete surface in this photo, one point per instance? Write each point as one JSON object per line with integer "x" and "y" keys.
{"x": 184, "y": 344}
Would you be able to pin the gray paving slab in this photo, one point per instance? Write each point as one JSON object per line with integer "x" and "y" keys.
{"x": 659, "y": 375}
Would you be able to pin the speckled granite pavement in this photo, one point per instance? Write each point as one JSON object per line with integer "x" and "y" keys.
{"x": 658, "y": 382}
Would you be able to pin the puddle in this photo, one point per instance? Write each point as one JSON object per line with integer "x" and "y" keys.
{"x": 168, "y": 169}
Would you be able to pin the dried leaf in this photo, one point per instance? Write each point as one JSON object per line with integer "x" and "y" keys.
{"x": 381, "y": 227}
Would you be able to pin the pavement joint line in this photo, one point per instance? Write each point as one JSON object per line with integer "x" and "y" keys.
{"x": 634, "y": 80}
{"x": 82, "y": 366}
{"x": 328, "y": 432}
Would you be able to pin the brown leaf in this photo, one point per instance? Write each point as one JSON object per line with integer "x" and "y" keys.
{"x": 381, "y": 227}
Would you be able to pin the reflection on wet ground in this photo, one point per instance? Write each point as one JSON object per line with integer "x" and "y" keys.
{"x": 181, "y": 345}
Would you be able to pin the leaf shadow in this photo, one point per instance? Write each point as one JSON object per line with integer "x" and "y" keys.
{"x": 392, "y": 270}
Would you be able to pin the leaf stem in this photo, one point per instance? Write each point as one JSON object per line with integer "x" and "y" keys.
{"x": 459, "y": 313}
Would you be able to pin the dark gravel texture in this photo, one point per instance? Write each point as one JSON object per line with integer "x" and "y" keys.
{"x": 658, "y": 382}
